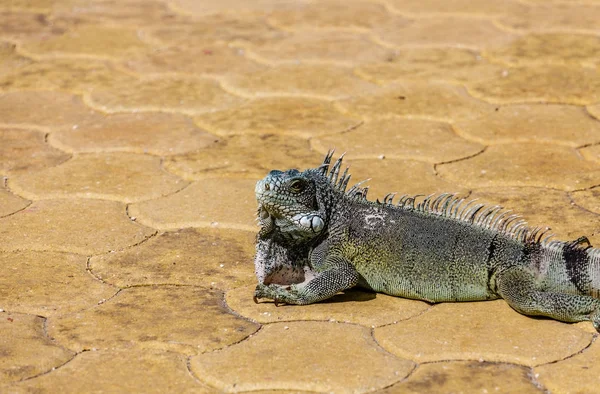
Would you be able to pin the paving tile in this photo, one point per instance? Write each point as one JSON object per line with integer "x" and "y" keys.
{"x": 558, "y": 124}
{"x": 26, "y": 25}
{"x": 216, "y": 258}
{"x": 76, "y": 225}
{"x": 183, "y": 319}
{"x": 549, "y": 84}
{"x": 311, "y": 80}
{"x": 577, "y": 374}
{"x": 546, "y": 207}
{"x": 434, "y": 101}
{"x": 587, "y": 199}
{"x": 452, "y": 65}
{"x": 478, "y": 8}
{"x": 25, "y": 151}
{"x": 444, "y": 31}
{"x": 354, "y": 306}
{"x": 9, "y": 59}
{"x": 48, "y": 283}
{"x": 228, "y": 203}
{"x": 30, "y": 6}
{"x": 564, "y": 16}
{"x": 117, "y": 371}
{"x": 262, "y": 153}
{"x": 466, "y": 377}
{"x": 288, "y": 356}
{"x": 122, "y": 177}
{"x": 465, "y": 331}
{"x": 191, "y": 96}
{"x": 10, "y": 203}
{"x": 213, "y": 7}
{"x": 594, "y": 110}
{"x": 550, "y": 48}
{"x": 396, "y": 138}
{"x": 524, "y": 164}
{"x": 301, "y": 117}
{"x": 26, "y": 350}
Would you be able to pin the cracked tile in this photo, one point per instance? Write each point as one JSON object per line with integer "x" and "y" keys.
{"x": 48, "y": 283}
{"x": 191, "y": 96}
{"x": 433, "y": 101}
{"x": 26, "y": 151}
{"x": 19, "y": 25}
{"x": 259, "y": 362}
{"x": 263, "y": 153}
{"x": 187, "y": 320}
{"x": 550, "y": 84}
{"x": 533, "y": 123}
{"x": 9, "y": 59}
{"x": 396, "y": 138}
{"x": 26, "y": 351}
{"x": 205, "y": 257}
{"x": 452, "y": 65}
{"x": 125, "y": 177}
{"x": 10, "y": 203}
{"x": 301, "y": 117}
{"x": 440, "y": 335}
{"x": 566, "y": 17}
{"x": 354, "y": 306}
{"x": 228, "y": 203}
{"x": 80, "y": 226}
{"x": 478, "y": 8}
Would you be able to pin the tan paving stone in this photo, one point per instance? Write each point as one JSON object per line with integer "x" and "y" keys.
{"x": 220, "y": 202}
{"x": 301, "y": 117}
{"x": 206, "y": 257}
{"x": 558, "y": 124}
{"x": 48, "y": 283}
{"x": 466, "y": 377}
{"x": 524, "y": 164}
{"x": 550, "y": 84}
{"x": 354, "y": 306}
{"x": 9, "y": 59}
{"x": 478, "y": 8}
{"x": 564, "y": 16}
{"x": 577, "y": 374}
{"x": 290, "y": 356}
{"x": 452, "y": 65}
{"x": 262, "y": 153}
{"x": 184, "y": 319}
{"x": 122, "y": 177}
{"x": 76, "y": 225}
{"x": 213, "y": 7}
{"x": 594, "y": 110}
{"x": 434, "y": 101}
{"x": 19, "y": 25}
{"x": 10, "y": 203}
{"x": 30, "y": 6}
{"x": 26, "y": 350}
{"x": 191, "y": 96}
{"x": 155, "y": 133}
{"x": 591, "y": 152}
{"x": 320, "y": 81}
{"x": 26, "y": 151}
{"x": 587, "y": 199}
{"x": 467, "y": 331}
{"x": 117, "y": 371}
{"x": 444, "y": 31}
{"x": 396, "y": 138}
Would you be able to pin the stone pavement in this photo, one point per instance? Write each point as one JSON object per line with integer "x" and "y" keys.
{"x": 132, "y": 133}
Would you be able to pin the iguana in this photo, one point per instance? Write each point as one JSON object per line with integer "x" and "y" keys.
{"x": 317, "y": 239}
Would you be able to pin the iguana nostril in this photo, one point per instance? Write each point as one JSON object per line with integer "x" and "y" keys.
{"x": 267, "y": 186}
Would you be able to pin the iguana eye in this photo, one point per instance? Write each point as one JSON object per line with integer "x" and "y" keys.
{"x": 297, "y": 186}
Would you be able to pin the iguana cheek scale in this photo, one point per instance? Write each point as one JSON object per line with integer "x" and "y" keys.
{"x": 317, "y": 239}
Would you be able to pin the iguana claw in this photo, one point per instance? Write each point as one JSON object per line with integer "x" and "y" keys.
{"x": 255, "y": 298}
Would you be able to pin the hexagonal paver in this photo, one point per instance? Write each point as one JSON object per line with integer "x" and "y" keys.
{"x": 263, "y": 153}
{"x": 126, "y": 177}
{"x": 434, "y": 101}
{"x": 48, "y": 283}
{"x": 400, "y": 139}
{"x": 560, "y": 377}
{"x": 478, "y": 8}
{"x": 354, "y": 306}
{"x": 551, "y": 84}
{"x": 453, "y": 65}
{"x": 25, "y": 348}
{"x": 172, "y": 134}
{"x": 10, "y": 203}
{"x": 9, "y": 59}
{"x": 228, "y": 203}
{"x": 558, "y": 16}
{"x": 133, "y": 370}
{"x": 524, "y": 164}
{"x": 207, "y": 257}
{"x": 288, "y": 356}
{"x": 26, "y": 151}
{"x": 466, "y": 331}
{"x": 190, "y": 96}
{"x": 296, "y": 116}
{"x": 557, "y": 124}
{"x": 177, "y": 318}
{"x": 77, "y": 225}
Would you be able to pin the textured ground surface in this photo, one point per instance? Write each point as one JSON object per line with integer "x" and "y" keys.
{"x": 132, "y": 133}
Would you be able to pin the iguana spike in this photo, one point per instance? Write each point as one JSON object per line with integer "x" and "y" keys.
{"x": 335, "y": 170}
{"x": 494, "y": 224}
{"x": 461, "y": 214}
{"x": 454, "y": 207}
{"x": 401, "y": 200}
{"x": 446, "y": 203}
{"x": 356, "y": 187}
{"x": 388, "y": 199}
{"x": 343, "y": 181}
{"x": 324, "y": 168}
{"x": 546, "y": 230}
{"x": 436, "y": 201}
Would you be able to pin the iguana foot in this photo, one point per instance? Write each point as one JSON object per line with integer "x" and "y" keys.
{"x": 280, "y": 294}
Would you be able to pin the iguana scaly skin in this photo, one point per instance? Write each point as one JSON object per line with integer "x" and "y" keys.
{"x": 317, "y": 239}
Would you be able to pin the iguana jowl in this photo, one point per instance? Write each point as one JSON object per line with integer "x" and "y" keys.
{"x": 317, "y": 239}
